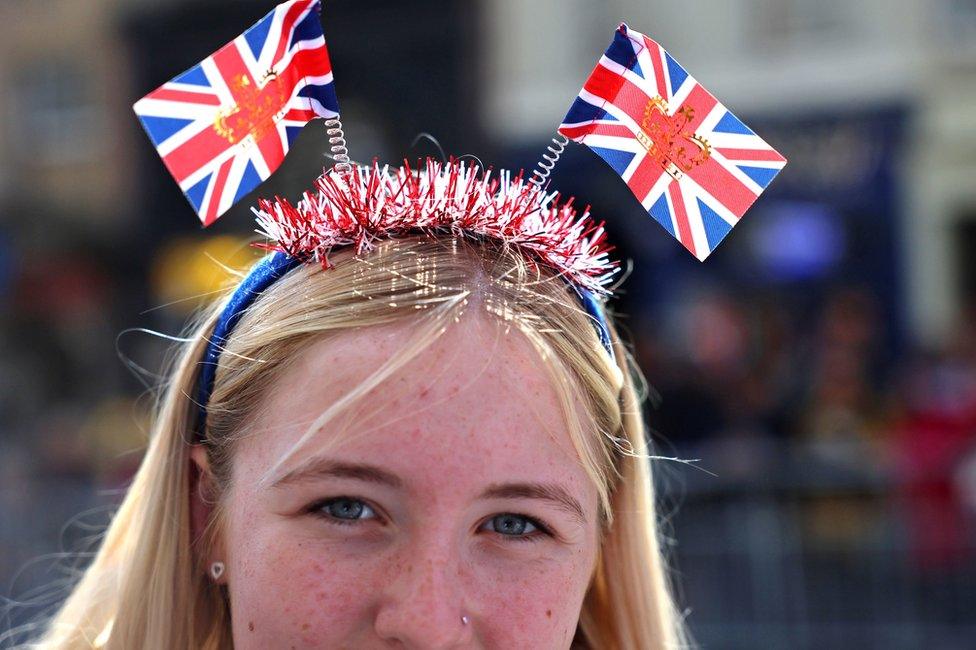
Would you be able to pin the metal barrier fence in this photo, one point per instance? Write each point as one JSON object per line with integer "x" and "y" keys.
{"x": 805, "y": 555}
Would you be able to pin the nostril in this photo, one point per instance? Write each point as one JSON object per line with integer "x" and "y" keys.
{"x": 424, "y": 620}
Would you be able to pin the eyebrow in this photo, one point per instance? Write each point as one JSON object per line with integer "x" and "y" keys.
{"x": 318, "y": 468}
{"x": 326, "y": 468}
{"x": 554, "y": 494}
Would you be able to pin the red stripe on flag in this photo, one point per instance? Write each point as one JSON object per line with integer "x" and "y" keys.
{"x": 576, "y": 132}
{"x": 306, "y": 63}
{"x": 614, "y": 89}
{"x": 702, "y": 102}
{"x": 184, "y": 96}
{"x": 681, "y": 217}
{"x": 645, "y": 175}
{"x": 195, "y": 153}
{"x": 723, "y": 186}
{"x": 218, "y": 190}
{"x": 230, "y": 64}
{"x": 654, "y": 51}
{"x": 603, "y": 83}
{"x": 597, "y": 128}
{"x": 746, "y": 155}
{"x": 287, "y": 25}
{"x": 271, "y": 148}
{"x": 299, "y": 115}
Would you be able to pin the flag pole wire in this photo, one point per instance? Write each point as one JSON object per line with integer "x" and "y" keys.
{"x": 543, "y": 168}
{"x": 337, "y": 140}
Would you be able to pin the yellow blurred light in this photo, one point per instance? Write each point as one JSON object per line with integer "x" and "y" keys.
{"x": 188, "y": 272}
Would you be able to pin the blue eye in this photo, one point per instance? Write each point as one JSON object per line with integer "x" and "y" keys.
{"x": 342, "y": 510}
{"x": 347, "y": 511}
{"x": 513, "y": 526}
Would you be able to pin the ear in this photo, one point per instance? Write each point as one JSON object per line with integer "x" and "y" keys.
{"x": 202, "y": 501}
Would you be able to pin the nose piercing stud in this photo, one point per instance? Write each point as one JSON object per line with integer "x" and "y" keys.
{"x": 464, "y": 620}
{"x": 217, "y": 570}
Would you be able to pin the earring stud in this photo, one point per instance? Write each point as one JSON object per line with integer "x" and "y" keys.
{"x": 464, "y": 620}
{"x": 217, "y": 570}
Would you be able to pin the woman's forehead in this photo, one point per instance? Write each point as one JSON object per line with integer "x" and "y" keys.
{"x": 478, "y": 396}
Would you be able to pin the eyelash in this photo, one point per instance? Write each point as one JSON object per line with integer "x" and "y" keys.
{"x": 317, "y": 508}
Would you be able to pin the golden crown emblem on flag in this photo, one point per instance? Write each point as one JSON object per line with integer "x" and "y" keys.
{"x": 668, "y": 142}
{"x": 256, "y": 110}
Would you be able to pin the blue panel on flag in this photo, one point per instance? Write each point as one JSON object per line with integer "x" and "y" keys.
{"x": 762, "y": 175}
{"x": 249, "y": 181}
{"x": 583, "y": 111}
{"x": 308, "y": 30}
{"x": 622, "y": 51}
{"x": 257, "y": 35}
{"x": 292, "y": 133}
{"x": 196, "y": 193}
{"x": 194, "y": 76}
{"x": 161, "y": 128}
{"x": 676, "y": 72}
{"x": 731, "y": 124}
{"x": 617, "y": 159}
{"x": 662, "y": 214}
{"x": 716, "y": 228}
{"x": 324, "y": 94}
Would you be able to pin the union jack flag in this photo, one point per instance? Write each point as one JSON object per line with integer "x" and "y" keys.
{"x": 224, "y": 126}
{"x": 693, "y": 165}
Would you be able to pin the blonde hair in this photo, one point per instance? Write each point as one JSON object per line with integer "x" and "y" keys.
{"x": 147, "y": 587}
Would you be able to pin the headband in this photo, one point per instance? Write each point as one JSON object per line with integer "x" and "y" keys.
{"x": 272, "y": 268}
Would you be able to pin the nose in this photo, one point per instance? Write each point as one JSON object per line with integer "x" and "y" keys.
{"x": 423, "y": 604}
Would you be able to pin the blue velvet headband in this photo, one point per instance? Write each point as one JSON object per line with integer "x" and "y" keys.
{"x": 274, "y": 267}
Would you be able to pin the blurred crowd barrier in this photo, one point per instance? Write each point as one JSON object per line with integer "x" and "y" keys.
{"x": 832, "y": 505}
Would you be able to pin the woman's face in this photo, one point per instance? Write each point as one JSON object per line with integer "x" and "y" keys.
{"x": 455, "y": 491}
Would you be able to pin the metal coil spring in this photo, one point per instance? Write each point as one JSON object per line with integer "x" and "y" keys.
{"x": 549, "y": 159}
{"x": 337, "y": 140}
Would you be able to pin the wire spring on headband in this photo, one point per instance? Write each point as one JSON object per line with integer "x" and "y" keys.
{"x": 548, "y": 161}
{"x": 337, "y": 140}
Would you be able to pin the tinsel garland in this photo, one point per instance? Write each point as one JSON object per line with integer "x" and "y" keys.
{"x": 372, "y": 202}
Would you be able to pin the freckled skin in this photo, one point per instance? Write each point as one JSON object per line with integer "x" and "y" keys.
{"x": 476, "y": 408}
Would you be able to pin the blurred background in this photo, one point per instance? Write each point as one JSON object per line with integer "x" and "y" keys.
{"x": 821, "y": 365}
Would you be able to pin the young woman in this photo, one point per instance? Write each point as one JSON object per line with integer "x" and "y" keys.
{"x": 424, "y": 446}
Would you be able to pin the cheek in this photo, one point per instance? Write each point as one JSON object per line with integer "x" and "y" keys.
{"x": 539, "y": 607}
{"x": 292, "y": 592}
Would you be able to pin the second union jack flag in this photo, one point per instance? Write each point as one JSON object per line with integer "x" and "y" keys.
{"x": 224, "y": 126}
{"x": 693, "y": 165}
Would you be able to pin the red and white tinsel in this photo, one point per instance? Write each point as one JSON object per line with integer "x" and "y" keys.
{"x": 371, "y": 203}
